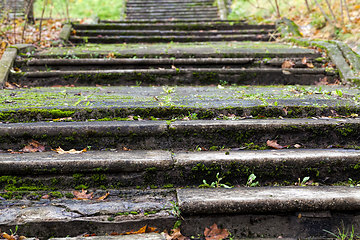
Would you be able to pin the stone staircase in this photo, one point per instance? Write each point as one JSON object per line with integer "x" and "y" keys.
{"x": 169, "y": 125}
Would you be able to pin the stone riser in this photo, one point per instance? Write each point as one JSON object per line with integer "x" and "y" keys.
{"x": 165, "y": 39}
{"x": 181, "y": 135}
{"x": 107, "y": 169}
{"x": 170, "y": 26}
{"x": 174, "y": 77}
{"x": 168, "y": 33}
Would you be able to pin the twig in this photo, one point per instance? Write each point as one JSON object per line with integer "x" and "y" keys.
{"x": 14, "y": 18}
{"x": 347, "y": 10}
{"x": 277, "y": 9}
{"x": 342, "y": 12}
{"x": 307, "y": 6}
{"x": 27, "y": 12}
{"x": 41, "y": 19}
{"x": 331, "y": 11}
{"x": 323, "y": 12}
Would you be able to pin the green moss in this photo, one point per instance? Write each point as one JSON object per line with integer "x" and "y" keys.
{"x": 81, "y": 186}
{"x": 69, "y": 195}
{"x": 168, "y": 185}
{"x": 56, "y": 194}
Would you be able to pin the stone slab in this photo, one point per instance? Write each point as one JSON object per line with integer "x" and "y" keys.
{"x": 145, "y": 236}
{"x": 122, "y": 161}
{"x": 181, "y": 97}
{"x": 267, "y": 199}
{"x": 6, "y": 63}
{"x": 267, "y": 157}
{"x": 231, "y": 49}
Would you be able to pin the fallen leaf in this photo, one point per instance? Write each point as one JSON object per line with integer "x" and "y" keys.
{"x": 175, "y": 235}
{"x": 7, "y": 236}
{"x": 33, "y": 146}
{"x": 215, "y": 233}
{"x": 103, "y": 197}
{"x": 286, "y": 72}
{"x": 297, "y": 146}
{"x": 142, "y": 230}
{"x": 310, "y": 65}
{"x": 304, "y": 61}
{"x": 82, "y": 195}
{"x": 45, "y": 196}
{"x": 59, "y": 150}
{"x": 9, "y": 86}
{"x": 287, "y": 64}
{"x": 62, "y": 119}
{"x": 274, "y": 144}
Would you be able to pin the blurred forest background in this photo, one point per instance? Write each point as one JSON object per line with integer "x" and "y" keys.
{"x": 323, "y": 19}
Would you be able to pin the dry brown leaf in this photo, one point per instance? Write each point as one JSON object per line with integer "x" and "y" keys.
{"x": 175, "y": 235}
{"x": 45, "y": 196}
{"x": 82, "y": 195}
{"x": 304, "y": 61}
{"x": 33, "y": 146}
{"x": 215, "y": 233}
{"x": 7, "y": 236}
{"x": 59, "y": 150}
{"x": 310, "y": 65}
{"x": 287, "y": 64}
{"x": 9, "y": 86}
{"x": 274, "y": 144}
{"x": 103, "y": 197}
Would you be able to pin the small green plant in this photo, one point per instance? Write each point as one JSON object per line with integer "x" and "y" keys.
{"x": 353, "y": 183}
{"x": 250, "y": 182}
{"x": 175, "y": 210}
{"x": 16, "y": 229}
{"x": 215, "y": 184}
{"x": 343, "y": 234}
{"x": 303, "y": 183}
{"x": 168, "y": 90}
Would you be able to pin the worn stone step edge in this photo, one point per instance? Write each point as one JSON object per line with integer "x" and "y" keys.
{"x": 175, "y": 25}
{"x": 341, "y": 56}
{"x": 213, "y": 21}
{"x": 184, "y": 168}
{"x": 310, "y": 133}
{"x": 267, "y": 199}
{"x": 168, "y": 32}
{"x": 144, "y": 236}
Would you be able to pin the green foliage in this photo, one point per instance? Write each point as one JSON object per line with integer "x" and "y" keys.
{"x": 250, "y": 182}
{"x": 215, "y": 184}
{"x": 109, "y": 9}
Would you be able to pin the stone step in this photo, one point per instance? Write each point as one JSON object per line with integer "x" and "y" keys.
{"x": 50, "y": 64}
{"x": 176, "y": 103}
{"x": 189, "y": 25}
{"x": 182, "y": 50}
{"x": 173, "y": 10}
{"x": 178, "y": 76}
{"x": 302, "y": 211}
{"x": 169, "y": 1}
{"x": 165, "y": 169}
{"x": 187, "y": 15}
{"x": 186, "y": 135}
{"x": 169, "y": 38}
{"x": 209, "y": 21}
{"x": 169, "y": 32}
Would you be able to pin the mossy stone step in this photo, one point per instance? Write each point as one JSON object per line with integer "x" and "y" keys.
{"x": 302, "y": 211}
{"x": 176, "y": 77}
{"x": 165, "y": 169}
{"x": 170, "y": 103}
{"x": 185, "y": 135}
{"x": 189, "y": 25}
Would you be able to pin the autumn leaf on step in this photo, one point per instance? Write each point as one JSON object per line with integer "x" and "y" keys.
{"x": 82, "y": 195}
{"x": 59, "y": 150}
{"x": 7, "y": 236}
{"x": 287, "y": 64}
{"x": 103, "y": 197}
{"x": 274, "y": 144}
{"x": 33, "y": 146}
{"x": 144, "y": 229}
{"x": 304, "y": 61}
{"x": 215, "y": 233}
{"x": 175, "y": 235}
